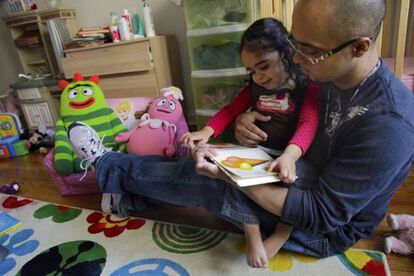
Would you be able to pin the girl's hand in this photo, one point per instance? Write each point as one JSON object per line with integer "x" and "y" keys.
{"x": 199, "y": 138}
{"x": 285, "y": 165}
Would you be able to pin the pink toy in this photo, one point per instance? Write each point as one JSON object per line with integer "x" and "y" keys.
{"x": 402, "y": 241}
{"x": 156, "y": 133}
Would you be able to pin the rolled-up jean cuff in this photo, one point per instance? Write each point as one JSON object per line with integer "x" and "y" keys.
{"x": 237, "y": 216}
{"x": 99, "y": 162}
{"x": 108, "y": 183}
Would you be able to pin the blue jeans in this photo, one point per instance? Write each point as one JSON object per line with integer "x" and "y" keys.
{"x": 147, "y": 181}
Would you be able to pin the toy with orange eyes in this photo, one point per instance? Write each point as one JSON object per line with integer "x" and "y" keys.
{"x": 156, "y": 133}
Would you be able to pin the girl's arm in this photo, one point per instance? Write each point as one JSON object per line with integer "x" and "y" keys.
{"x": 228, "y": 113}
{"x": 308, "y": 120}
{"x": 302, "y": 138}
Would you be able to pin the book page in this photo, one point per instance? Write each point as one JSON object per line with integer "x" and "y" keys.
{"x": 244, "y": 162}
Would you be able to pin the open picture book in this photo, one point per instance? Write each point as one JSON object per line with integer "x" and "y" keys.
{"x": 245, "y": 166}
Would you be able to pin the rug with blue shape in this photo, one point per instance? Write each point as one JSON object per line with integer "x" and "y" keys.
{"x": 61, "y": 240}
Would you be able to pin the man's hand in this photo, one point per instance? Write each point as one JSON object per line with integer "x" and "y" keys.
{"x": 246, "y": 132}
{"x": 203, "y": 166}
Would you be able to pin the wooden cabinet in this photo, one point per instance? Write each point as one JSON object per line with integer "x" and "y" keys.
{"x": 39, "y": 106}
{"x": 32, "y": 40}
{"x": 38, "y": 114}
{"x": 135, "y": 68}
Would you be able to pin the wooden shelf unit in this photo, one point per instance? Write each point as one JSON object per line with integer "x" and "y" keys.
{"x": 30, "y": 56}
{"x": 135, "y": 68}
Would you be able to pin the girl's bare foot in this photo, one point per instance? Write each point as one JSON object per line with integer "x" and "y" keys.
{"x": 276, "y": 240}
{"x": 272, "y": 246}
{"x": 256, "y": 254}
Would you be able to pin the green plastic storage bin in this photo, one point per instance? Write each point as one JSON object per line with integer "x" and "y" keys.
{"x": 216, "y": 88}
{"x": 202, "y": 14}
{"x": 215, "y": 48}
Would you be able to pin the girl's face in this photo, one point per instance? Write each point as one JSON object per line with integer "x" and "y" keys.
{"x": 267, "y": 69}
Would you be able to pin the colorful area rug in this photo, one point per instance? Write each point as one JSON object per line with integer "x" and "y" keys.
{"x": 60, "y": 240}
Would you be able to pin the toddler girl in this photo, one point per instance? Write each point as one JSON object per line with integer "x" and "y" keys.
{"x": 280, "y": 92}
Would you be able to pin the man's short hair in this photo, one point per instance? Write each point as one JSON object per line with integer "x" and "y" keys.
{"x": 353, "y": 18}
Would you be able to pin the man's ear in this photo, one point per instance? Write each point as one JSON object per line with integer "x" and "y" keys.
{"x": 361, "y": 46}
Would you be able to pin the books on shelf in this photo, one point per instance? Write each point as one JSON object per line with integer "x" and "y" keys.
{"x": 245, "y": 166}
{"x": 8, "y": 223}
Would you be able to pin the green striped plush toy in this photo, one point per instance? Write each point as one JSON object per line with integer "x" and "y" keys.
{"x": 82, "y": 100}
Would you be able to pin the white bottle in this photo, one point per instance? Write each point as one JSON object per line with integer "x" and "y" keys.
{"x": 149, "y": 24}
{"x": 127, "y": 16}
{"x": 124, "y": 29}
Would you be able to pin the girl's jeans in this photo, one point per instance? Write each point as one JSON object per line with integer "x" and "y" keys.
{"x": 145, "y": 181}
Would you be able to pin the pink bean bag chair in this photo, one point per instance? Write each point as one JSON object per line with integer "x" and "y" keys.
{"x": 70, "y": 185}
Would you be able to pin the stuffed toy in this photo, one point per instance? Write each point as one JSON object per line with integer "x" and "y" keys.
{"x": 41, "y": 137}
{"x": 402, "y": 241}
{"x": 156, "y": 132}
{"x": 82, "y": 100}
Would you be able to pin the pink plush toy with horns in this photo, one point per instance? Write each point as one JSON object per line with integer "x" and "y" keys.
{"x": 156, "y": 133}
{"x": 402, "y": 241}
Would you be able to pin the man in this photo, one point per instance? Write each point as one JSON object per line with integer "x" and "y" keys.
{"x": 364, "y": 145}
{"x": 362, "y": 151}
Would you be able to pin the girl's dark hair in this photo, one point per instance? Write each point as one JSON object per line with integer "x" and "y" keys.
{"x": 267, "y": 35}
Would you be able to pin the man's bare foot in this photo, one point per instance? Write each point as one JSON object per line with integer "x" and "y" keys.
{"x": 255, "y": 255}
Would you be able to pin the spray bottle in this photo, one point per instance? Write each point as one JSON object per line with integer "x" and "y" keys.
{"x": 127, "y": 17}
{"x": 124, "y": 29}
{"x": 148, "y": 22}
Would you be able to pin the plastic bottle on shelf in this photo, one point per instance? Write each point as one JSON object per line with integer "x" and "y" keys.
{"x": 137, "y": 28}
{"x": 113, "y": 27}
{"x": 148, "y": 22}
{"x": 124, "y": 29}
{"x": 127, "y": 16}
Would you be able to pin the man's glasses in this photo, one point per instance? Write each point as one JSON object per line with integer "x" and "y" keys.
{"x": 313, "y": 60}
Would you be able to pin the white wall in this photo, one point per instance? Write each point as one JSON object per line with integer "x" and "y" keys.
{"x": 9, "y": 61}
{"x": 168, "y": 19}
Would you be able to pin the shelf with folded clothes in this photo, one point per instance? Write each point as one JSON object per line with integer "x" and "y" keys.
{"x": 215, "y": 48}
{"x": 201, "y": 14}
{"x": 213, "y": 89}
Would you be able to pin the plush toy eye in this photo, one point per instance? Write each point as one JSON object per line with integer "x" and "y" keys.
{"x": 73, "y": 93}
{"x": 172, "y": 105}
{"x": 162, "y": 102}
{"x": 87, "y": 91}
